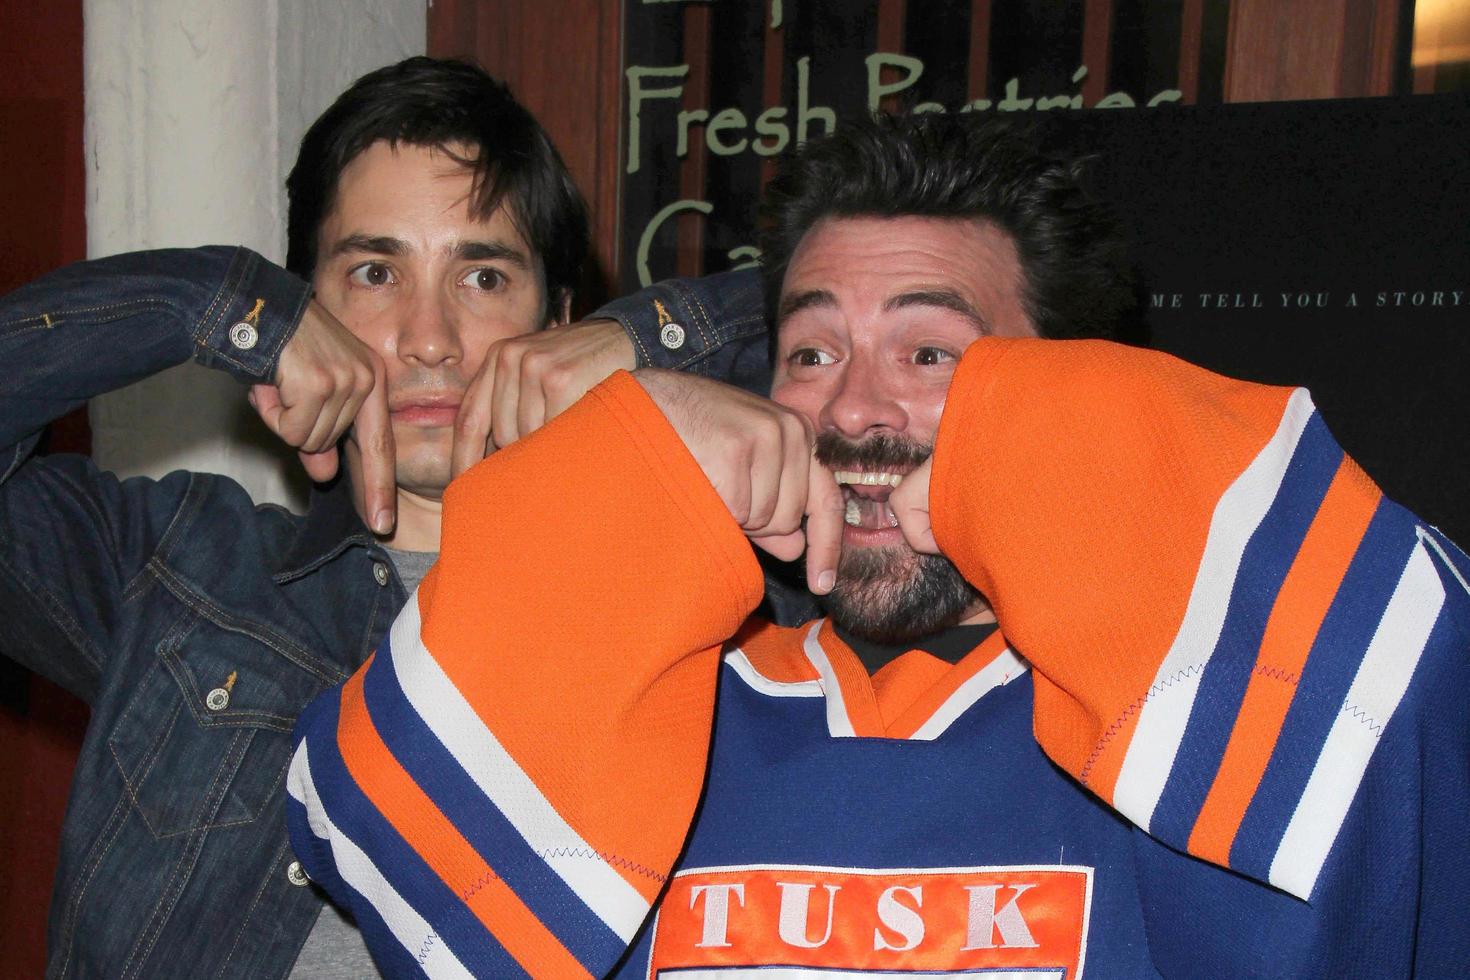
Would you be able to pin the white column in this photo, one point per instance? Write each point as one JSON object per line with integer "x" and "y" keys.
{"x": 193, "y": 112}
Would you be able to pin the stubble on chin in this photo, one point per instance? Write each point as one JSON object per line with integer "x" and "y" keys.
{"x": 896, "y": 595}
{"x": 422, "y": 465}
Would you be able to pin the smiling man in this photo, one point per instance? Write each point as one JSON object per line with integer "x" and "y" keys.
{"x": 875, "y": 313}
{"x": 1127, "y": 670}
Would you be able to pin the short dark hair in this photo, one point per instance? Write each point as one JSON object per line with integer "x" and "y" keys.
{"x": 438, "y": 103}
{"x": 1077, "y": 282}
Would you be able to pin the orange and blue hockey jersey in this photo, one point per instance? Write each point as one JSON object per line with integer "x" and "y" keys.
{"x": 1223, "y": 733}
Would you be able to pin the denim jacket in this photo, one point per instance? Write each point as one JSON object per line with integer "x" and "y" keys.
{"x": 197, "y": 624}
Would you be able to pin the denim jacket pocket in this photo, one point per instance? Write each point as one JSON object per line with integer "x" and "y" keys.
{"x": 203, "y": 740}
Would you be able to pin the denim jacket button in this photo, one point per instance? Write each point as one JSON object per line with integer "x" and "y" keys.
{"x": 671, "y": 336}
{"x": 217, "y": 700}
{"x": 380, "y": 573}
{"x": 296, "y": 875}
{"x": 244, "y": 335}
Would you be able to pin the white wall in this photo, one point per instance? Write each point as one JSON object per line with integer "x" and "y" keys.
{"x": 194, "y": 109}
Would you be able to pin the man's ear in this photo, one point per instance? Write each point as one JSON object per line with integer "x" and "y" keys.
{"x": 561, "y": 311}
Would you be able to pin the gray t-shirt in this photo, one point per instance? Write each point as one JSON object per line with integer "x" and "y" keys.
{"x": 335, "y": 950}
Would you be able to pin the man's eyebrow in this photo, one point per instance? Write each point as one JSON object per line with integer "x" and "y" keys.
{"x": 797, "y": 302}
{"x": 372, "y": 244}
{"x": 946, "y": 299}
{"x": 467, "y": 251}
{"x": 491, "y": 251}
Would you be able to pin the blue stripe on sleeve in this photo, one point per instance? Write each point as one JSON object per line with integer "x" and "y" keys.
{"x": 1267, "y": 558}
{"x": 476, "y": 817}
{"x": 1333, "y": 662}
{"x": 389, "y": 955}
{"x": 317, "y": 722}
{"x": 417, "y": 884}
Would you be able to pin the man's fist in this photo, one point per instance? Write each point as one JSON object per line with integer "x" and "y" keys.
{"x": 758, "y": 456}
{"x": 326, "y": 382}
{"x": 910, "y": 505}
{"x": 527, "y": 381}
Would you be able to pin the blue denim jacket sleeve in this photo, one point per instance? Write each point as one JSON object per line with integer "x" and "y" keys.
{"x": 71, "y": 536}
{"x": 714, "y": 326}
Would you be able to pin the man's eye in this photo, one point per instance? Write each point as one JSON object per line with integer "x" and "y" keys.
{"x": 485, "y": 279}
{"x": 810, "y": 357}
{"x": 930, "y": 356}
{"x": 371, "y": 274}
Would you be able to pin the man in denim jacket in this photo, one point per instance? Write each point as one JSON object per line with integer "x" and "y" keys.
{"x": 440, "y": 233}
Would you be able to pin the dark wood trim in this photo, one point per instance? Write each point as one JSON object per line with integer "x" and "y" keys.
{"x": 689, "y": 233}
{"x": 890, "y": 40}
{"x": 978, "y": 67}
{"x": 451, "y": 29}
{"x": 606, "y": 183}
{"x": 1310, "y": 49}
{"x": 43, "y": 225}
{"x": 773, "y": 58}
{"x": 1383, "y": 47}
{"x": 1097, "y": 42}
{"x": 563, "y": 61}
{"x": 1191, "y": 37}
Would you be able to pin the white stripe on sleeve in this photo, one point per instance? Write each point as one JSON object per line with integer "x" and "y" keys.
{"x": 1170, "y": 699}
{"x": 1377, "y": 688}
{"x": 357, "y": 869}
{"x": 459, "y": 728}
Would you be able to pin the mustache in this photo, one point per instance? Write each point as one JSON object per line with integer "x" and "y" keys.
{"x": 428, "y": 381}
{"x": 879, "y": 452}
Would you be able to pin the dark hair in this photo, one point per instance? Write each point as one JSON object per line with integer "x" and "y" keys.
{"x": 1077, "y": 282}
{"x": 438, "y": 103}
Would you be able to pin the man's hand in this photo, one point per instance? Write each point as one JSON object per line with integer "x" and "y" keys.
{"x": 910, "y": 505}
{"x": 327, "y": 381}
{"x": 758, "y": 456}
{"x": 527, "y": 381}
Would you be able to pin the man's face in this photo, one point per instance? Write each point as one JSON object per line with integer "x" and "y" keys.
{"x": 874, "y": 315}
{"x": 401, "y": 262}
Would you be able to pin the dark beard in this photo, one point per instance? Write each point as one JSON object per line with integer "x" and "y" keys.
{"x": 891, "y": 595}
{"x": 894, "y": 596}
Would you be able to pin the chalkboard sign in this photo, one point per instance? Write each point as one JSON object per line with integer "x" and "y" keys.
{"x": 713, "y": 91}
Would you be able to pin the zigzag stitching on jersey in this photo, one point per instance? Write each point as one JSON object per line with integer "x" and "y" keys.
{"x": 1112, "y": 730}
{"x": 1265, "y": 670}
{"x": 1277, "y": 674}
{"x": 1367, "y": 720}
{"x": 612, "y": 859}
{"x": 479, "y": 884}
{"x": 428, "y": 944}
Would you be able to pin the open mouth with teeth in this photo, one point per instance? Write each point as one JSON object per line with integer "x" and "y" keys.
{"x": 866, "y": 495}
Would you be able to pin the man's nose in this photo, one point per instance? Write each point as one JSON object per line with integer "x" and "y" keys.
{"x": 428, "y": 335}
{"x": 865, "y": 402}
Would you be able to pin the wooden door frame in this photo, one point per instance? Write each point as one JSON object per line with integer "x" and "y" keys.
{"x": 564, "y": 62}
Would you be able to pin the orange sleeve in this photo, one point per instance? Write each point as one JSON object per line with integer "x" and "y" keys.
{"x": 1074, "y": 484}
{"x": 1222, "y": 609}
{"x": 587, "y": 578}
{"x": 507, "y": 783}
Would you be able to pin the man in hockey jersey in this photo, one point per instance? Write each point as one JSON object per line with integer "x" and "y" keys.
{"x": 1218, "y": 733}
